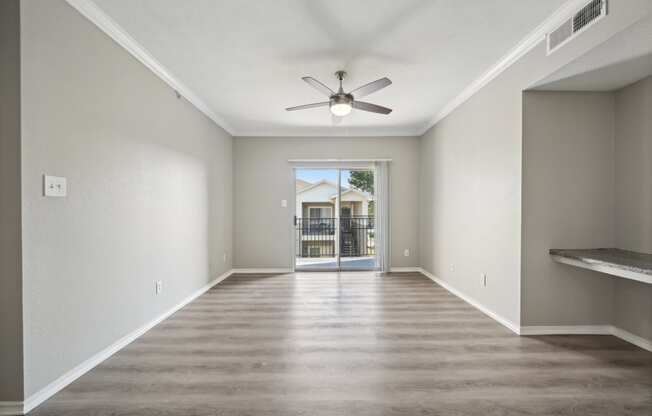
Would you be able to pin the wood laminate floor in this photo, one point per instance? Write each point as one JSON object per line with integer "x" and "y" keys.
{"x": 354, "y": 344}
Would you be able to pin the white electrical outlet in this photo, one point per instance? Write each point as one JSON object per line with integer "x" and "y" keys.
{"x": 159, "y": 286}
{"x": 406, "y": 252}
{"x": 452, "y": 267}
{"x": 484, "y": 279}
{"x": 54, "y": 186}
{"x": 284, "y": 203}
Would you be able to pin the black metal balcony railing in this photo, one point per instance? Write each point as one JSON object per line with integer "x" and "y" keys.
{"x": 316, "y": 236}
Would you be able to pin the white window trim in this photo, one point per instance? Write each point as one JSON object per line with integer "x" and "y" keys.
{"x": 330, "y": 210}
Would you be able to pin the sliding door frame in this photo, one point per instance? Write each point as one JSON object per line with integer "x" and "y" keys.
{"x": 328, "y": 165}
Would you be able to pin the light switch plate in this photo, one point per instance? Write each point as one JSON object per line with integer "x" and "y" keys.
{"x": 284, "y": 203}
{"x": 54, "y": 186}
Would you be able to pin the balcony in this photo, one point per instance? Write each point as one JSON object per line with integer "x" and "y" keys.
{"x": 316, "y": 238}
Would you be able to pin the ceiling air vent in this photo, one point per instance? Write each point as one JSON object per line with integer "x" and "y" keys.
{"x": 589, "y": 14}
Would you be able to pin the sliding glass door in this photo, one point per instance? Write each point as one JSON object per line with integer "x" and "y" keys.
{"x": 315, "y": 221}
{"x": 334, "y": 227}
{"x": 356, "y": 221}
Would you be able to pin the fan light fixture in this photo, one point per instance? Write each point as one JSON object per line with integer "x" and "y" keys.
{"x": 340, "y": 102}
{"x": 341, "y": 110}
{"x": 340, "y": 105}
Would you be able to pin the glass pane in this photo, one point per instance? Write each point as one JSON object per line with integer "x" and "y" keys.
{"x": 315, "y": 228}
{"x": 357, "y": 227}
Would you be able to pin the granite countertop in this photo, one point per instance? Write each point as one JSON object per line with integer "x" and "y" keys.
{"x": 610, "y": 257}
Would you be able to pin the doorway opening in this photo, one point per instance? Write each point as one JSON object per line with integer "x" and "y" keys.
{"x": 334, "y": 222}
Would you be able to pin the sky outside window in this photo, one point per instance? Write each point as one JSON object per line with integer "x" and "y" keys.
{"x": 316, "y": 175}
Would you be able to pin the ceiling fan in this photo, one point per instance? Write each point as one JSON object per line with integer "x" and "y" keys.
{"x": 341, "y": 103}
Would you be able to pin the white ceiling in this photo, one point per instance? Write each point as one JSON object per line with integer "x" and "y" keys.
{"x": 245, "y": 58}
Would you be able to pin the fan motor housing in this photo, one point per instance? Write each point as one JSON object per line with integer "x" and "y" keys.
{"x": 341, "y": 98}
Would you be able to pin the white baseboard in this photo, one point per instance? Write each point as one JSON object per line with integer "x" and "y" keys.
{"x": 566, "y": 330}
{"x": 20, "y": 408}
{"x": 641, "y": 342}
{"x": 405, "y": 270}
{"x": 261, "y": 270}
{"x": 495, "y": 316}
{"x": 11, "y": 408}
{"x": 48, "y": 391}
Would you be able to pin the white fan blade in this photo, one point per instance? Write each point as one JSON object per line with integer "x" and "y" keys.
{"x": 371, "y": 87}
{"x": 306, "y": 106}
{"x": 373, "y": 108}
{"x": 318, "y": 86}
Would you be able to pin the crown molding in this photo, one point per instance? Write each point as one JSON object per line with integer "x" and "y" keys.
{"x": 524, "y": 46}
{"x": 97, "y": 16}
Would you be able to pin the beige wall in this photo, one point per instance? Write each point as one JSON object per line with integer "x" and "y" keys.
{"x": 471, "y": 174}
{"x": 263, "y": 177}
{"x": 470, "y": 200}
{"x": 634, "y": 166}
{"x": 150, "y": 192}
{"x": 568, "y": 202}
{"x": 587, "y": 183}
{"x": 11, "y": 354}
{"x": 633, "y": 300}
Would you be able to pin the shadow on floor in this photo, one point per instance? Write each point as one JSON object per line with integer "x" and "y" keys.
{"x": 349, "y": 264}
